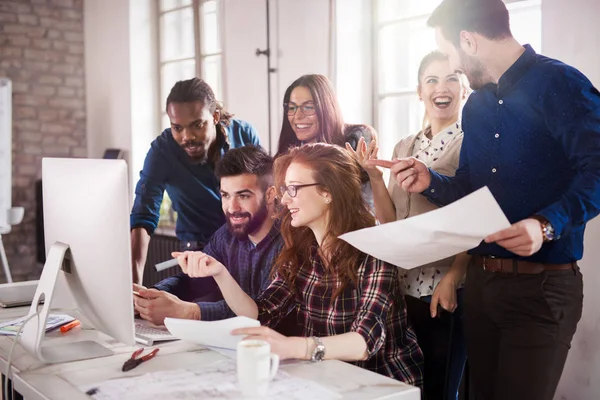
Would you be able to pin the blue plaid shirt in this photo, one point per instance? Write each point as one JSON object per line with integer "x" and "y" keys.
{"x": 534, "y": 140}
{"x": 248, "y": 264}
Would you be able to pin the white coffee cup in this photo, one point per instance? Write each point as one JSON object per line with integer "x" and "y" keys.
{"x": 256, "y": 366}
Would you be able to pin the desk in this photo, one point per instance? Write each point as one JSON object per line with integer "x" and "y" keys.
{"x": 35, "y": 380}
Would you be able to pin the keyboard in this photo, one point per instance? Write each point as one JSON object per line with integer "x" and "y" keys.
{"x": 147, "y": 334}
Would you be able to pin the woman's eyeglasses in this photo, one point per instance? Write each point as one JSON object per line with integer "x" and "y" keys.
{"x": 307, "y": 109}
{"x": 292, "y": 190}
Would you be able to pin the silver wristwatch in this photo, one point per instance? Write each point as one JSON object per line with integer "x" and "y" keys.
{"x": 319, "y": 351}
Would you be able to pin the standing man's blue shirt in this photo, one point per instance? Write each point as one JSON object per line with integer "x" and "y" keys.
{"x": 193, "y": 188}
{"x": 250, "y": 266}
{"x": 534, "y": 140}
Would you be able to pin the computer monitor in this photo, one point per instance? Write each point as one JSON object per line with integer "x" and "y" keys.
{"x": 88, "y": 265}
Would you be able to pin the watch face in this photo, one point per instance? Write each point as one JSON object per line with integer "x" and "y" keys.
{"x": 319, "y": 355}
{"x": 549, "y": 231}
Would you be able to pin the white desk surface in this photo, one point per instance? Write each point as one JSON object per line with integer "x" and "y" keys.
{"x": 35, "y": 380}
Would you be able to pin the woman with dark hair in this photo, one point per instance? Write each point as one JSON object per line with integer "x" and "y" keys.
{"x": 312, "y": 115}
{"x": 349, "y": 304}
{"x": 436, "y": 286}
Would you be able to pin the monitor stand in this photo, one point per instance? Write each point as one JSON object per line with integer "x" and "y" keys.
{"x": 35, "y": 329}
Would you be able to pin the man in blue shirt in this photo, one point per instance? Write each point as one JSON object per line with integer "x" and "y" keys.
{"x": 247, "y": 244}
{"x": 181, "y": 161}
{"x": 532, "y": 135}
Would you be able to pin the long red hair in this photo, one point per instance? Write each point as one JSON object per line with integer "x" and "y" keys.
{"x": 337, "y": 173}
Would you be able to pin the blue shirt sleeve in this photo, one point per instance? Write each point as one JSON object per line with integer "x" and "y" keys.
{"x": 213, "y": 311}
{"x": 179, "y": 284}
{"x": 149, "y": 192}
{"x": 444, "y": 189}
{"x": 252, "y": 135}
{"x": 572, "y": 111}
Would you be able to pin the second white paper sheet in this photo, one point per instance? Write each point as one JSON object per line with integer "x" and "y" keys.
{"x": 215, "y": 334}
{"x": 435, "y": 235}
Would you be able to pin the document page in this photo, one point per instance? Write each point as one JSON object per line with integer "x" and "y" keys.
{"x": 219, "y": 382}
{"x": 435, "y": 235}
{"x": 210, "y": 333}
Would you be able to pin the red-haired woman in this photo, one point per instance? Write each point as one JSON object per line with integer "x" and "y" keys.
{"x": 349, "y": 304}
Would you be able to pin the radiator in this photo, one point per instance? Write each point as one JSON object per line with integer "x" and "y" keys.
{"x": 159, "y": 250}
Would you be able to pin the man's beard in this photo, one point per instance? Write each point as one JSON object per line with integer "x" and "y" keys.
{"x": 241, "y": 231}
{"x": 474, "y": 70}
{"x": 201, "y": 156}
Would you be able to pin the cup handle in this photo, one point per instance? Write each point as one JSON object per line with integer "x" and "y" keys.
{"x": 274, "y": 366}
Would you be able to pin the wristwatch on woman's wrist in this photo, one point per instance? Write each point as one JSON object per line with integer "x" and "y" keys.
{"x": 319, "y": 352}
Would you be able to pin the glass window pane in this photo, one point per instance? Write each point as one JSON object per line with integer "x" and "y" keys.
{"x": 173, "y": 72}
{"x": 401, "y": 47}
{"x": 170, "y": 4}
{"x": 526, "y": 27}
{"x": 211, "y": 68}
{"x": 177, "y": 34}
{"x": 399, "y": 116}
{"x": 395, "y": 9}
{"x": 210, "y": 28}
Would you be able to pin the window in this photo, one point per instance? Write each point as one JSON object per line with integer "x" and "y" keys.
{"x": 190, "y": 45}
{"x": 401, "y": 39}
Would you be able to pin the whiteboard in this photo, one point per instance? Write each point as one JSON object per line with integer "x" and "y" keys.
{"x": 5, "y": 152}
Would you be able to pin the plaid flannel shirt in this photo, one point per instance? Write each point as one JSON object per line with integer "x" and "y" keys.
{"x": 374, "y": 308}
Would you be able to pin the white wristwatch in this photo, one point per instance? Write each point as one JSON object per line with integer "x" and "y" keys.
{"x": 319, "y": 351}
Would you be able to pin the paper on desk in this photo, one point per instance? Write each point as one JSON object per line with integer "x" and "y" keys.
{"x": 210, "y": 333}
{"x": 435, "y": 235}
{"x": 10, "y": 328}
{"x": 214, "y": 382}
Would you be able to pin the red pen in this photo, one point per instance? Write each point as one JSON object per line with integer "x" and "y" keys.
{"x": 69, "y": 326}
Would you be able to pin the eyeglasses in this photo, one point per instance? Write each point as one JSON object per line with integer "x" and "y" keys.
{"x": 292, "y": 190}
{"x": 307, "y": 109}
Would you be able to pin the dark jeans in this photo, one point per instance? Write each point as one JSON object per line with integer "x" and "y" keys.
{"x": 442, "y": 342}
{"x": 519, "y": 329}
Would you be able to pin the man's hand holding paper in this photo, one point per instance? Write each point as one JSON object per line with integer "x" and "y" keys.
{"x": 435, "y": 235}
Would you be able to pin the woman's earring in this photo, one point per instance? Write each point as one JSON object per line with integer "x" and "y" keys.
{"x": 327, "y": 200}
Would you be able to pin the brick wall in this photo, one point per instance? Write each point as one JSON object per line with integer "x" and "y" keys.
{"x": 41, "y": 51}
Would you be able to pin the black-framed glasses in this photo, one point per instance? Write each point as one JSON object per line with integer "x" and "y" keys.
{"x": 307, "y": 109}
{"x": 292, "y": 190}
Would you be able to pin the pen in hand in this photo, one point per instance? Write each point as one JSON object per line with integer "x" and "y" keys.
{"x": 69, "y": 326}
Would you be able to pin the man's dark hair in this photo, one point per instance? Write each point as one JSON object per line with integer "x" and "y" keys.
{"x": 486, "y": 17}
{"x": 250, "y": 160}
{"x": 196, "y": 89}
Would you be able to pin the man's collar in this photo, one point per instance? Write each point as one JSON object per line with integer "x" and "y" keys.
{"x": 273, "y": 233}
{"x": 517, "y": 70}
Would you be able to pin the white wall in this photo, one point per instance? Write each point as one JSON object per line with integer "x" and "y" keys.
{"x": 144, "y": 88}
{"x": 354, "y": 81}
{"x": 107, "y": 75}
{"x": 571, "y": 33}
{"x": 121, "y": 78}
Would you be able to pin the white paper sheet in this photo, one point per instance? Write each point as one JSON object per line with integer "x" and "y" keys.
{"x": 218, "y": 382}
{"x": 435, "y": 235}
{"x": 210, "y": 333}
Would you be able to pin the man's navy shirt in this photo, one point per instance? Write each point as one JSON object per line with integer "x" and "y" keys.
{"x": 534, "y": 140}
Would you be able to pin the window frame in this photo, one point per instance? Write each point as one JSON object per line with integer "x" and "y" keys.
{"x": 200, "y": 55}
{"x": 168, "y": 218}
{"x": 378, "y": 95}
